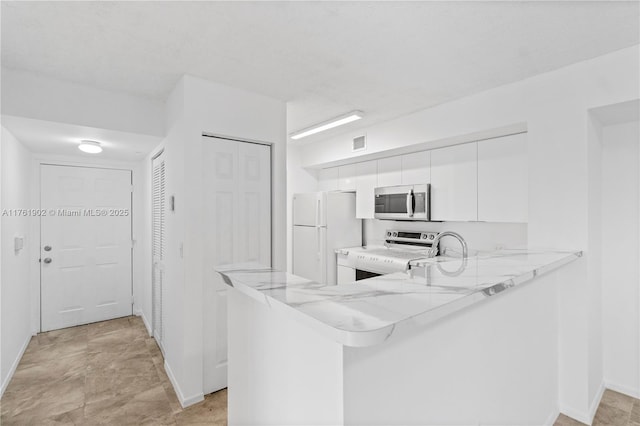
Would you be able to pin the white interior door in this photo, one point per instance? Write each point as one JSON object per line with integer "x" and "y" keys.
{"x": 85, "y": 245}
{"x": 237, "y": 211}
{"x": 158, "y": 225}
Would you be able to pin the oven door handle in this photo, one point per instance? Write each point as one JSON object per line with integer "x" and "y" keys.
{"x": 411, "y": 202}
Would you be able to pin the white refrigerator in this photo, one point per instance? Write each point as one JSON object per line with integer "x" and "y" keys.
{"x": 322, "y": 223}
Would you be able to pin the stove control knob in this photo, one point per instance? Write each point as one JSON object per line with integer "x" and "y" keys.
{"x": 395, "y": 234}
{"x": 424, "y": 236}
{"x": 431, "y": 236}
{"x": 388, "y": 233}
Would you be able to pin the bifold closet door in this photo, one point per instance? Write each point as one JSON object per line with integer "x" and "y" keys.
{"x": 158, "y": 227}
{"x": 237, "y": 229}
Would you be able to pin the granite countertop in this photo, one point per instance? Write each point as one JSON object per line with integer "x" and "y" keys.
{"x": 368, "y": 312}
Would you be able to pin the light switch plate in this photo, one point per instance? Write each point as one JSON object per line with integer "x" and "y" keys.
{"x": 18, "y": 244}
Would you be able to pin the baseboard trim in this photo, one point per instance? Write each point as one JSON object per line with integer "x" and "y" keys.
{"x": 575, "y": 415}
{"x": 14, "y": 366}
{"x": 552, "y": 417}
{"x": 147, "y": 325}
{"x": 581, "y": 416}
{"x": 595, "y": 403}
{"x": 184, "y": 402}
{"x": 627, "y": 390}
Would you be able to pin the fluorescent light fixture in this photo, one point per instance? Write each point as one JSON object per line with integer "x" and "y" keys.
{"x": 90, "y": 147}
{"x": 326, "y": 125}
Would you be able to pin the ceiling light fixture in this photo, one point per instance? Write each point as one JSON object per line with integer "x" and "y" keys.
{"x": 90, "y": 147}
{"x": 326, "y": 125}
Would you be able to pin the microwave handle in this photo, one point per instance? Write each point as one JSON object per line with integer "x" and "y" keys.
{"x": 410, "y": 203}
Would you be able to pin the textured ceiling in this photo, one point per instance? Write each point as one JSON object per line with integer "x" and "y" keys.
{"x": 46, "y": 137}
{"x": 324, "y": 58}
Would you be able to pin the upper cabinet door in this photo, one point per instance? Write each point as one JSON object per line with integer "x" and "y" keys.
{"x": 416, "y": 168}
{"x": 347, "y": 177}
{"x": 454, "y": 183}
{"x": 328, "y": 179}
{"x": 503, "y": 192}
{"x": 390, "y": 171}
{"x": 366, "y": 182}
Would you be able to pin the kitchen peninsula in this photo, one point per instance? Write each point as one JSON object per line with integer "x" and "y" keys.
{"x": 456, "y": 342}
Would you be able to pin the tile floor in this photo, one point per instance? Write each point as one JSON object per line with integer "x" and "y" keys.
{"x": 104, "y": 373}
{"x": 112, "y": 373}
{"x": 615, "y": 409}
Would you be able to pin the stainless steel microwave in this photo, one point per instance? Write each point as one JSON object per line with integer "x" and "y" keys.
{"x": 403, "y": 202}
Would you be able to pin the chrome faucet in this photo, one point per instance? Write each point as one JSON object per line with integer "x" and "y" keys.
{"x": 436, "y": 242}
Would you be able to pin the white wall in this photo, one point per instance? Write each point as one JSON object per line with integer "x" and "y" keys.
{"x": 27, "y": 94}
{"x": 594, "y": 271}
{"x": 621, "y": 251}
{"x": 195, "y": 107}
{"x": 2, "y": 385}
{"x": 142, "y": 262}
{"x": 554, "y": 106}
{"x": 175, "y": 143}
{"x": 15, "y": 313}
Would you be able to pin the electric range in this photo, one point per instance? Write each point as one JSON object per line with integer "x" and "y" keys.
{"x": 399, "y": 250}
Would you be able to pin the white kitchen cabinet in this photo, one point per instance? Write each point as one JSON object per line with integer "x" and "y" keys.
{"x": 416, "y": 168}
{"x": 390, "y": 171}
{"x": 503, "y": 179}
{"x": 328, "y": 179}
{"x": 366, "y": 182}
{"x": 347, "y": 177}
{"x": 454, "y": 183}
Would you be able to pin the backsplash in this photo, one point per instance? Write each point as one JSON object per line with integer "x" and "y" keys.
{"x": 478, "y": 235}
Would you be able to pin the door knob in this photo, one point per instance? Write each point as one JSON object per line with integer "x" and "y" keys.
{"x": 47, "y": 260}
{"x": 47, "y": 248}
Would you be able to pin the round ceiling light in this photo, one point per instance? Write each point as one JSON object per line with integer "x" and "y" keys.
{"x": 90, "y": 147}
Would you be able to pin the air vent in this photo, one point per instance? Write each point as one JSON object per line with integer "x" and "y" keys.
{"x": 359, "y": 143}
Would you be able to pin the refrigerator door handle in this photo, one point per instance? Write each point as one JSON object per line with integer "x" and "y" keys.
{"x": 318, "y": 243}
{"x": 318, "y": 212}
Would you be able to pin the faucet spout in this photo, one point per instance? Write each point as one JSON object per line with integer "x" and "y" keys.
{"x": 436, "y": 242}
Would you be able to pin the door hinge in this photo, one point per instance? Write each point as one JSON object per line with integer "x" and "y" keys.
{"x": 132, "y": 299}
{"x": 132, "y": 187}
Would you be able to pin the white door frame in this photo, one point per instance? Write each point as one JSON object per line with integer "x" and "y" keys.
{"x": 55, "y": 160}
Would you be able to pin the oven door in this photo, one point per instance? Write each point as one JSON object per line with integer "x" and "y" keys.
{"x": 363, "y": 275}
{"x": 405, "y": 202}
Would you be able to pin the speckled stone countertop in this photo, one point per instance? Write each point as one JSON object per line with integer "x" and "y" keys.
{"x": 368, "y": 312}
